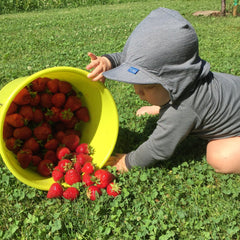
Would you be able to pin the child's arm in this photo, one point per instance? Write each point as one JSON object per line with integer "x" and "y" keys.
{"x": 100, "y": 65}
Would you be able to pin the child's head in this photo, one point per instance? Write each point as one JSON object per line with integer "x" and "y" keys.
{"x": 163, "y": 49}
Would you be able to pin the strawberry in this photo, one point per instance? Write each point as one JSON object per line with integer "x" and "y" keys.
{"x": 78, "y": 167}
{"x": 82, "y": 114}
{"x": 52, "y": 85}
{"x": 93, "y": 192}
{"x": 55, "y": 191}
{"x": 83, "y": 158}
{"x": 24, "y": 157}
{"x": 12, "y": 108}
{"x": 46, "y": 100}
{"x": 71, "y": 141}
{"x": 71, "y": 123}
{"x": 27, "y": 112}
{"x": 51, "y": 144}
{"x": 84, "y": 148}
{"x": 64, "y": 165}
{"x": 71, "y": 193}
{"x": 15, "y": 120}
{"x": 59, "y": 135}
{"x": 87, "y": 179}
{"x": 73, "y": 103}
{"x": 66, "y": 115}
{"x": 88, "y": 168}
{"x": 32, "y": 144}
{"x": 42, "y": 132}
{"x": 51, "y": 155}
{"x": 58, "y": 99}
{"x": 36, "y": 160}
{"x": 35, "y": 99}
{"x": 38, "y": 115}
{"x": 7, "y": 130}
{"x": 104, "y": 177}
{"x": 23, "y": 133}
{"x": 72, "y": 131}
{"x": 113, "y": 189}
{"x": 13, "y": 144}
{"x": 23, "y": 97}
{"x": 44, "y": 167}
{"x": 57, "y": 174}
{"x": 64, "y": 87}
{"x": 72, "y": 176}
{"x": 52, "y": 114}
{"x": 62, "y": 152}
{"x": 39, "y": 84}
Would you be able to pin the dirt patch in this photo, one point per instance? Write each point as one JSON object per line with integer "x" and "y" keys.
{"x": 207, "y": 13}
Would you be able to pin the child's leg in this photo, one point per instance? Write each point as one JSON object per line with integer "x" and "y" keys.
{"x": 152, "y": 110}
{"x": 224, "y": 155}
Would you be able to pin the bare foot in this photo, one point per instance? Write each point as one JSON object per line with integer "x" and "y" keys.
{"x": 151, "y": 110}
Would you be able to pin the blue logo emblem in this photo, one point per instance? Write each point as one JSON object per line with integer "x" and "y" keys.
{"x": 133, "y": 70}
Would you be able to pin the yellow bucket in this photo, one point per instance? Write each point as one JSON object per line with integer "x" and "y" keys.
{"x": 100, "y": 132}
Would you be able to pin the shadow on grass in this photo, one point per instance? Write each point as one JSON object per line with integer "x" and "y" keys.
{"x": 192, "y": 148}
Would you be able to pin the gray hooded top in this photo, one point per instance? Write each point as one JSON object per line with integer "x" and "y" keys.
{"x": 163, "y": 49}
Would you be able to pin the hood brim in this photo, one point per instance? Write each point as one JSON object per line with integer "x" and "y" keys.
{"x": 130, "y": 74}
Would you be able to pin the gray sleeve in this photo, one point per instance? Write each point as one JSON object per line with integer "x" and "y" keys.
{"x": 114, "y": 58}
{"x": 172, "y": 127}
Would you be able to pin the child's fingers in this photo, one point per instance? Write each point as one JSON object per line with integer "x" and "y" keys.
{"x": 92, "y": 56}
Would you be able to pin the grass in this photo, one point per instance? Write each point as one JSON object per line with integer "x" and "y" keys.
{"x": 182, "y": 198}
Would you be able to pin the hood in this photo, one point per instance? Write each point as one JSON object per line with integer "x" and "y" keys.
{"x": 162, "y": 49}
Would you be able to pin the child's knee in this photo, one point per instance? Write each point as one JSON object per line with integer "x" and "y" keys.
{"x": 223, "y": 162}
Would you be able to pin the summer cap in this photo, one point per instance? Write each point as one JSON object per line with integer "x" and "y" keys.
{"x": 162, "y": 49}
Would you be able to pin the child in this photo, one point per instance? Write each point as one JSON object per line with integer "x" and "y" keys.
{"x": 161, "y": 60}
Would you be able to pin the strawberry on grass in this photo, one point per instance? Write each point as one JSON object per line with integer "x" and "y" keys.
{"x": 88, "y": 167}
{"x": 88, "y": 179}
{"x": 104, "y": 177}
{"x": 93, "y": 192}
{"x": 55, "y": 191}
{"x": 71, "y": 193}
{"x": 113, "y": 189}
{"x": 72, "y": 176}
{"x": 57, "y": 174}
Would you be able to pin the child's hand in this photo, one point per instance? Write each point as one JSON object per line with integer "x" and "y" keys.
{"x": 118, "y": 161}
{"x": 100, "y": 65}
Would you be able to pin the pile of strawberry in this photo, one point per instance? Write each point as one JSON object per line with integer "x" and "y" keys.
{"x": 43, "y": 117}
{"x": 41, "y": 128}
{"x": 76, "y": 167}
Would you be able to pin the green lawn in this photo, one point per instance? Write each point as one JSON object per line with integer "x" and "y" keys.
{"x": 182, "y": 198}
